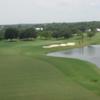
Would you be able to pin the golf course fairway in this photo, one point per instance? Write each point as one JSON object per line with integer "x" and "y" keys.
{"x": 26, "y": 73}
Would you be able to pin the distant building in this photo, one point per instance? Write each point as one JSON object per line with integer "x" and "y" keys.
{"x": 89, "y": 30}
{"x": 98, "y": 29}
{"x": 39, "y": 29}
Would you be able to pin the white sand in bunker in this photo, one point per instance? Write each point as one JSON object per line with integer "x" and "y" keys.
{"x": 60, "y": 45}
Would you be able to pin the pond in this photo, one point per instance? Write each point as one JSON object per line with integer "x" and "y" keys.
{"x": 90, "y": 53}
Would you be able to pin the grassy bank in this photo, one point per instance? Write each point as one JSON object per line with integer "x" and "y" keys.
{"x": 26, "y": 73}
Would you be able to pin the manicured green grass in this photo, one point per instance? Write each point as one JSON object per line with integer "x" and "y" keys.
{"x": 26, "y": 73}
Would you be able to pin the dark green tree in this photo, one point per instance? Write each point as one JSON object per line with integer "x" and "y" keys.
{"x": 92, "y": 32}
{"x": 1, "y": 34}
{"x": 28, "y": 34}
{"x": 57, "y": 34}
{"x": 67, "y": 33}
{"x": 81, "y": 37}
{"x": 11, "y": 33}
{"x": 45, "y": 34}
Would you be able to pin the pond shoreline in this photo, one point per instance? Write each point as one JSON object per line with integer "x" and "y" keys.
{"x": 88, "y": 53}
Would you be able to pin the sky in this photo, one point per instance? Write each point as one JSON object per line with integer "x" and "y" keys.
{"x": 48, "y": 11}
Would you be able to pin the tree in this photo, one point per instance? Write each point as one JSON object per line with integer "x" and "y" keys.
{"x": 92, "y": 32}
{"x": 56, "y": 34}
{"x": 67, "y": 33}
{"x": 45, "y": 34}
{"x": 81, "y": 37}
{"x": 28, "y": 34}
{"x": 11, "y": 33}
{"x": 1, "y": 34}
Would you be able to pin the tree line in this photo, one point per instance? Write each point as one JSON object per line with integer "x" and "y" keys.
{"x": 14, "y": 33}
{"x": 53, "y": 30}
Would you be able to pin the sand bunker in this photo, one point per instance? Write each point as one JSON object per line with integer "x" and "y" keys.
{"x": 60, "y": 45}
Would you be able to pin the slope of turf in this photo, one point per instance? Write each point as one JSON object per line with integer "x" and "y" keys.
{"x": 27, "y": 74}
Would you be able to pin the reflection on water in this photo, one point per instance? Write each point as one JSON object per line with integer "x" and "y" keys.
{"x": 90, "y": 53}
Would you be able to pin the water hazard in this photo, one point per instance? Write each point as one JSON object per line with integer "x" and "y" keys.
{"x": 90, "y": 53}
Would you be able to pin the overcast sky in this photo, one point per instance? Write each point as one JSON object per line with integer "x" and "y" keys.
{"x": 44, "y": 11}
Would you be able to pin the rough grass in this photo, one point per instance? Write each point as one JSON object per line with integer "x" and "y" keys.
{"x": 27, "y": 74}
